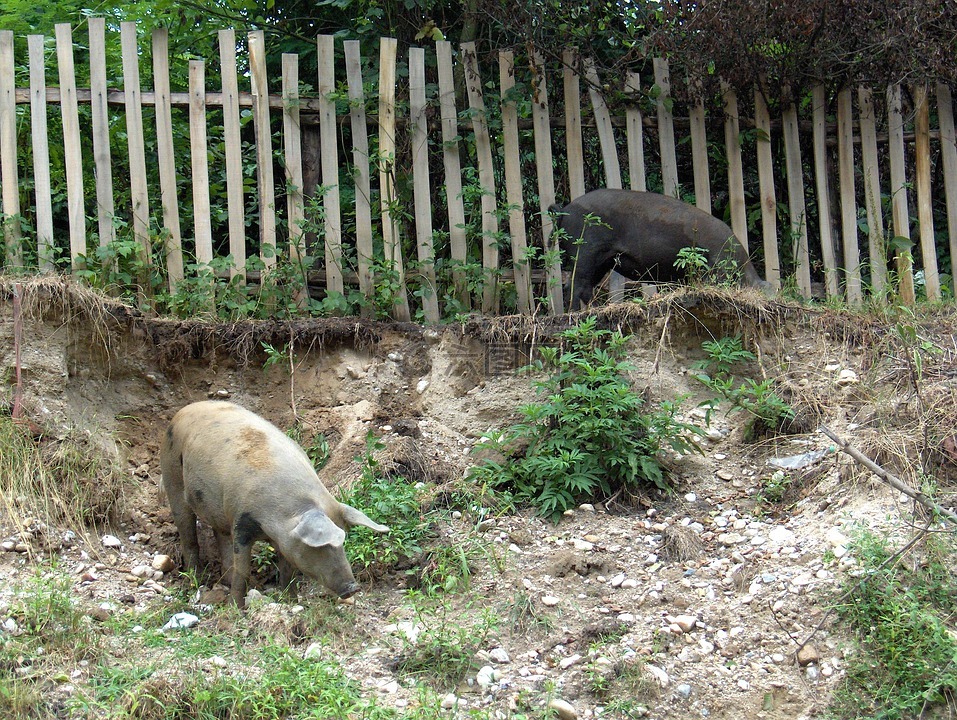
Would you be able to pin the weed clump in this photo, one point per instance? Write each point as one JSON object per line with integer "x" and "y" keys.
{"x": 768, "y": 413}
{"x": 592, "y": 436}
{"x": 907, "y": 659}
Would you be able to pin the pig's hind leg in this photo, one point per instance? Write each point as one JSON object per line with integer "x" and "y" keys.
{"x": 225, "y": 543}
{"x": 185, "y": 520}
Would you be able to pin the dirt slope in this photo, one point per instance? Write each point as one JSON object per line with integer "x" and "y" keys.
{"x": 708, "y": 590}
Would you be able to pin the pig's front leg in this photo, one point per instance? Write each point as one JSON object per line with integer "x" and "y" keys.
{"x": 246, "y": 531}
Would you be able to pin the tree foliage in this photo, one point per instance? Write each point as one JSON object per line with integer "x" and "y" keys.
{"x": 836, "y": 42}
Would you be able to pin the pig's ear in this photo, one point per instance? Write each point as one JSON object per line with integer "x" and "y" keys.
{"x": 357, "y": 517}
{"x": 315, "y": 529}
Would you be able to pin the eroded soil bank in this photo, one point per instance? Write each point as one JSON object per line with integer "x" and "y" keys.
{"x": 707, "y": 590}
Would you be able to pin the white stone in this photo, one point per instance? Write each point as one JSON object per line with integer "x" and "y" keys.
{"x": 163, "y": 563}
{"x": 181, "y": 620}
{"x": 389, "y": 688}
{"x": 409, "y": 630}
{"x": 487, "y": 676}
{"x": 685, "y": 622}
{"x": 564, "y": 710}
{"x": 780, "y": 535}
{"x": 499, "y": 655}
{"x": 569, "y": 661}
{"x": 550, "y": 601}
{"x": 313, "y": 652}
{"x": 731, "y": 538}
{"x": 583, "y": 545}
{"x": 660, "y": 676}
{"x": 836, "y": 537}
{"x": 422, "y": 386}
{"x": 451, "y": 701}
{"x": 846, "y": 377}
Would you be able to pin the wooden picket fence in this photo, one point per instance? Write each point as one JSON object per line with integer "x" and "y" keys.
{"x": 881, "y": 152}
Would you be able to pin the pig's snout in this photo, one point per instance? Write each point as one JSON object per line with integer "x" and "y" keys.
{"x": 349, "y": 590}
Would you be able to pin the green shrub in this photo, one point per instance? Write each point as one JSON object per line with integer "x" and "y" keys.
{"x": 591, "y": 437}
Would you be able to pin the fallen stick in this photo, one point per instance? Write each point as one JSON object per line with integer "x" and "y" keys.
{"x": 891, "y": 480}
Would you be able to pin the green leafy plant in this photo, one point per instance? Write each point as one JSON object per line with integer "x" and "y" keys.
{"x": 901, "y": 613}
{"x": 591, "y": 437}
{"x": 693, "y": 262}
{"x": 769, "y": 413}
{"x": 724, "y": 354}
{"x": 395, "y": 501}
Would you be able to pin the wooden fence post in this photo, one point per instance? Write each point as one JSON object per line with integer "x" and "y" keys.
{"x": 8, "y": 154}
{"x": 235, "y": 205}
{"x": 486, "y": 172}
{"x": 41, "y": 154}
{"x": 635, "y": 132}
{"x": 831, "y": 283}
{"x": 169, "y": 197}
{"x": 769, "y": 203}
{"x": 797, "y": 209}
{"x": 732, "y": 144}
{"x": 603, "y": 126}
{"x": 458, "y": 242}
{"x": 102, "y": 158}
{"x": 387, "y": 187}
{"x": 901, "y": 219}
{"x": 513, "y": 183}
{"x": 422, "y": 187}
{"x": 699, "y": 148}
{"x": 199, "y": 162}
{"x": 292, "y": 156}
{"x": 137, "y": 149}
{"x": 546, "y": 186}
{"x": 845, "y": 152}
{"x": 329, "y": 142}
{"x": 361, "y": 173}
{"x": 609, "y": 154}
{"x": 264, "y": 169}
{"x": 574, "y": 149}
{"x": 925, "y": 215}
{"x": 71, "y": 145}
{"x": 948, "y": 151}
{"x": 666, "y": 128}
{"x": 877, "y": 250}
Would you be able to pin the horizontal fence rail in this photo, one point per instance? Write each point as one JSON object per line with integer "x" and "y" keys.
{"x": 419, "y": 181}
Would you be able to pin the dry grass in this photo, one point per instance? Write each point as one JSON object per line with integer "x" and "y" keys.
{"x": 728, "y": 310}
{"x": 65, "y": 483}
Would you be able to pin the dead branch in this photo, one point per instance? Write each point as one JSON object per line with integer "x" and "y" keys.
{"x": 888, "y": 478}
